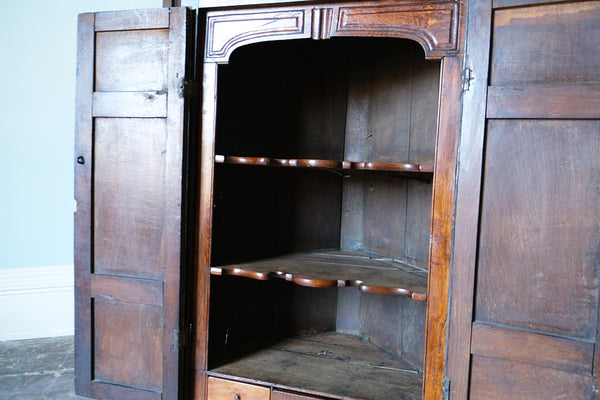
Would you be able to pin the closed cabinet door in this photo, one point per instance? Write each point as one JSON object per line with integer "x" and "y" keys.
{"x": 128, "y": 187}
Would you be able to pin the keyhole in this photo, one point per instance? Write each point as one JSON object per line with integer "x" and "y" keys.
{"x": 238, "y": 397}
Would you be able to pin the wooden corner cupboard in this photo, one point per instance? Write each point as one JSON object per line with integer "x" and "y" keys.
{"x": 351, "y": 200}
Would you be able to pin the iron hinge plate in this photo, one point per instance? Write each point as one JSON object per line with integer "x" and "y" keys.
{"x": 181, "y": 337}
{"x": 467, "y": 77}
{"x": 446, "y": 389}
{"x": 189, "y": 89}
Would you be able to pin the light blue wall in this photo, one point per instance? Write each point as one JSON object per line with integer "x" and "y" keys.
{"x": 37, "y": 103}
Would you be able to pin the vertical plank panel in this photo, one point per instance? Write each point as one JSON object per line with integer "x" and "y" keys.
{"x": 540, "y": 227}
{"x": 129, "y": 196}
{"x": 442, "y": 224}
{"x": 204, "y": 226}
{"x": 561, "y": 44}
{"x": 129, "y": 336}
{"x": 83, "y": 195}
{"x": 478, "y": 26}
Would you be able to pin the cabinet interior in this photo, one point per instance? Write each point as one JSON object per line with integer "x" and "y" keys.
{"x": 324, "y": 153}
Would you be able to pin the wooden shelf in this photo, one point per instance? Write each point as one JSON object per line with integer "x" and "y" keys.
{"x": 335, "y": 268}
{"x": 336, "y": 365}
{"x": 423, "y": 169}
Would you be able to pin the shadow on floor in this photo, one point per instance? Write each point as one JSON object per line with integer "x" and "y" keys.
{"x": 37, "y": 369}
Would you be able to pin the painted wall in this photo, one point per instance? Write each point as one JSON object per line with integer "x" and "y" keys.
{"x": 37, "y": 113}
{"x": 38, "y": 49}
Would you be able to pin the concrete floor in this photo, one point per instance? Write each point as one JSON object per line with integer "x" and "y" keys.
{"x": 37, "y": 369}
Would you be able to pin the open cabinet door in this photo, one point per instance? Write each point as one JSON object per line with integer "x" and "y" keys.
{"x": 128, "y": 186}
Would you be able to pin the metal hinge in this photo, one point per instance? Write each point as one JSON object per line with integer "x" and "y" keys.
{"x": 467, "y": 77}
{"x": 181, "y": 338}
{"x": 446, "y": 389}
{"x": 189, "y": 89}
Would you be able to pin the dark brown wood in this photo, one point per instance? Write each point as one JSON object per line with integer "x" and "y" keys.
{"x": 535, "y": 239}
{"x": 546, "y": 351}
{"x": 544, "y": 101}
{"x": 325, "y": 164}
{"x": 83, "y": 196}
{"x": 369, "y": 273}
{"x": 470, "y": 163}
{"x": 398, "y": 114}
{"x": 129, "y": 271}
{"x": 513, "y": 3}
{"x": 497, "y": 378}
{"x": 544, "y": 104}
{"x": 281, "y": 395}
{"x": 302, "y": 106}
{"x": 330, "y": 365}
{"x": 559, "y": 49}
{"x": 433, "y": 26}
{"x": 129, "y": 290}
{"x": 222, "y": 389}
{"x": 442, "y": 224}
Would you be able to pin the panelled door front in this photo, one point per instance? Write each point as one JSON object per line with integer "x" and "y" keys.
{"x": 128, "y": 187}
{"x": 535, "y": 316}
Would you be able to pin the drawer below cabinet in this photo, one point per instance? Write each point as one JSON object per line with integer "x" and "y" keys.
{"x": 222, "y": 389}
{"x": 278, "y": 395}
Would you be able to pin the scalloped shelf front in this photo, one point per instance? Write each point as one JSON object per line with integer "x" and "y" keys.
{"x": 422, "y": 169}
{"x": 335, "y": 268}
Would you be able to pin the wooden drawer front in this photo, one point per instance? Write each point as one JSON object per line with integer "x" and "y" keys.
{"x": 277, "y": 395}
{"x": 221, "y": 389}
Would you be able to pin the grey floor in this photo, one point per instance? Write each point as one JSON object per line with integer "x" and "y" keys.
{"x": 37, "y": 369}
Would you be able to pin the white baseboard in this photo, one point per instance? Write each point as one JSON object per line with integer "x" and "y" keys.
{"x": 36, "y": 302}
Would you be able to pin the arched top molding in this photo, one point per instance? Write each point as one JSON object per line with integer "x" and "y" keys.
{"x": 434, "y": 25}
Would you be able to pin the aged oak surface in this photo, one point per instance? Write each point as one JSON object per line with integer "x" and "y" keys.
{"x": 531, "y": 325}
{"x": 342, "y": 365}
{"x": 128, "y": 179}
{"x": 296, "y": 128}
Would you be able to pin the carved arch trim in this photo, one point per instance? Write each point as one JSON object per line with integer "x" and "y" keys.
{"x": 434, "y": 25}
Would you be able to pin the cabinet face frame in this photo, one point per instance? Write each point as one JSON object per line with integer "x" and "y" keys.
{"x": 319, "y": 22}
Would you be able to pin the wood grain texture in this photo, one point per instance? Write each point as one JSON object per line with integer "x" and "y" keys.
{"x": 129, "y": 290}
{"x": 343, "y": 166}
{"x": 531, "y": 348}
{"x": 544, "y": 101}
{"x": 130, "y": 104}
{"x": 133, "y": 280}
{"x": 332, "y": 269}
{"x": 83, "y": 216}
{"x": 433, "y": 26}
{"x": 538, "y": 252}
{"x": 329, "y": 365}
{"x": 222, "y": 389}
{"x": 133, "y": 20}
{"x": 227, "y": 30}
{"x": 131, "y": 60}
{"x": 129, "y": 336}
{"x": 281, "y": 395}
{"x": 558, "y": 49}
{"x": 442, "y": 228}
{"x": 504, "y": 380}
{"x": 104, "y": 390}
{"x": 204, "y": 228}
{"x": 466, "y": 226}
{"x": 124, "y": 241}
